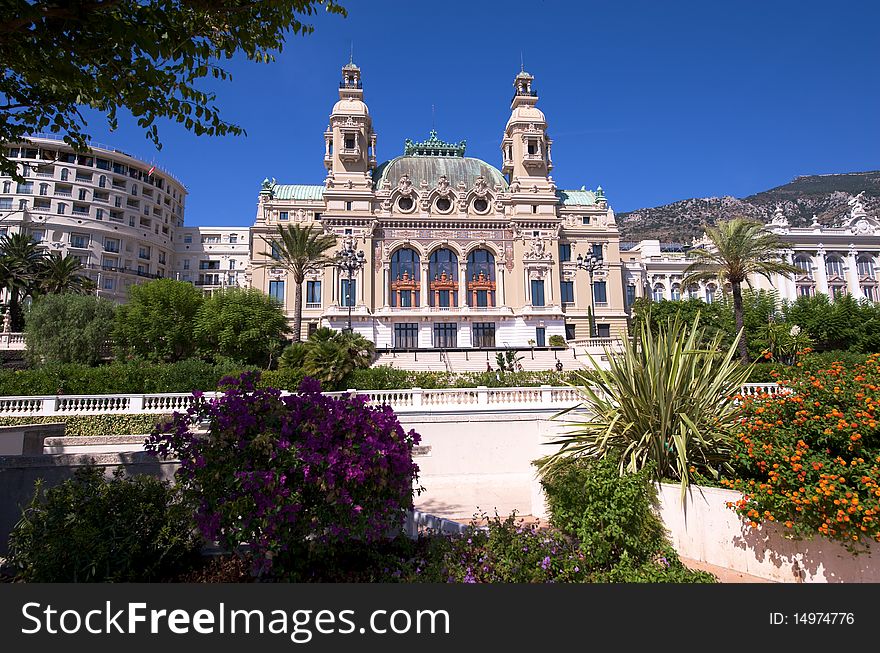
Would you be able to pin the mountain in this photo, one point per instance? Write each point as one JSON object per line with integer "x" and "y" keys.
{"x": 824, "y": 196}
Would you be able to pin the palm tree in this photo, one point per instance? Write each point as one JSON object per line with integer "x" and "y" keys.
{"x": 20, "y": 261}
{"x": 300, "y": 250}
{"x": 60, "y": 274}
{"x": 739, "y": 249}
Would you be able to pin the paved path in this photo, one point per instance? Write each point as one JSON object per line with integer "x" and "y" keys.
{"x": 723, "y": 574}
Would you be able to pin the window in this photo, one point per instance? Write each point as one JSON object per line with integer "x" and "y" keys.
{"x": 283, "y": 215}
{"x": 161, "y": 258}
{"x": 102, "y": 182}
{"x": 834, "y": 266}
{"x": 564, "y": 252}
{"x": 566, "y": 292}
{"x": 540, "y": 337}
{"x": 65, "y": 174}
{"x": 630, "y": 295}
{"x": 187, "y": 238}
{"x": 276, "y": 291}
{"x": 600, "y": 294}
{"x": 232, "y": 264}
{"x": 481, "y": 278}
{"x": 537, "y": 292}
{"x": 22, "y": 205}
{"x": 569, "y": 331}
{"x": 313, "y": 292}
{"x": 406, "y": 335}
{"x": 676, "y": 292}
{"x": 445, "y": 335}
{"x": 109, "y": 262}
{"x": 5, "y": 203}
{"x": 25, "y": 188}
{"x": 532, "y": 147}
{"x": 603, "y": 330}
{"x": 37, "y": 235}
{"x": 805, "y": 291}
{"x": 144, "y": 252}
{"x": 44, "y": 189}
{"x": 7, "y": 186}
{"x": 657, "y": 294}
{"x": 870, "y": 293}
{"x": 186, "y": 263}
{"x": 275, "y": 252}
{"x": 597, "y": 251}
{"x": 82, "y": 194}
{"x": 710, "y": 293}
{"x": 111, "y": 245}
{"x": 99, "y": 214}
{"x": 347, "y": 292}
{"x": 117, "y": 202}
{"x": 443, "y": 273}
{"x": 349, "y": 142}
{"x": 80, "y": 241}
{"x": 585, "y": 219}
{"x": 404, "y": 281}
{"x": 865, "y": 266}
{"x": 348, "y": 206}
{"x": 209, "y": 265}
{"x": 838, "y": 291}
{"x": 109, "y": 283}
{"x": 134, "y": 189}
{"x": 233, "y": 239}
{"x": 61, "y": 209}
{"x": 484, "y": 334}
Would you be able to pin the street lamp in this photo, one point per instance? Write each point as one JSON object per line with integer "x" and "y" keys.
{"x": 590, "y": 263}
{"x": 349, "y": 261}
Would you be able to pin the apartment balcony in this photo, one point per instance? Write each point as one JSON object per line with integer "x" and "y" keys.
{"x": 63, "y": 193}
{"x": 312, "y": 306}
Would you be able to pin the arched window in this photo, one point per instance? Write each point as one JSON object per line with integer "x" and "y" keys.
{"x": 65, "y": 173}
{"x": 481, "y": 278}
{"x": 711, "y": 289}
{"x": 693, "y": 291}
{"x": 443, "y": 278}
{"x": 865, "y": 266}
{"x": 834, "y": 266}
{"x": 676, "y": 292}
{"x": 405, "y": 278}
{"x": 804, "y": 264}
{"x": 44, "y": 189}
{"x": 7, "y": 186}
{"x": 102, "y": 181}
{"x": 657, "y": 294}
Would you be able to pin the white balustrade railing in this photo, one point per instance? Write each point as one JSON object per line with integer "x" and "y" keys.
{"x": 412, "y": 400}
{"x": 12, "y": 341}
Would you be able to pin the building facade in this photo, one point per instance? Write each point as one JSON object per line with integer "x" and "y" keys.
{"x": 213, "y": 258}
{"x": 458, "y": 253}
{"x": 116, "y": 214}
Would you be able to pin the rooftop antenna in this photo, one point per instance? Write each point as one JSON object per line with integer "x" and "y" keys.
{"x": 351, "y": 53}
{"x": 432, "y": 117}
{"x": 522, "y": 67}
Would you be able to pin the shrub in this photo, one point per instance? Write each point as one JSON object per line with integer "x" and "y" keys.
{"x": 239, "y": 324}
{"x": 611, "y": 514}
{"x": 97, "y": 530}
{"x": 82, "y": 425}
{"x": 68, "y": 328}
{"x": 666, "y": 399}
{"x": 557, "y": 341}
{"x": 810, "y": 460}
{"x": 278, "y": 473}
{"x": 329, "y": 356}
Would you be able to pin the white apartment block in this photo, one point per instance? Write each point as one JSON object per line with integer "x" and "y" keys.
{"x": 213, "y": 258}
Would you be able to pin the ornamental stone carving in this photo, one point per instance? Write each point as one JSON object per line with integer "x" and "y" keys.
{"x": 480, "y": 186}
{"x": 405, "y": 186}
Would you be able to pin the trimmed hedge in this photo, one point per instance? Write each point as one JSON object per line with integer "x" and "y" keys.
{"x": 81, "y": 425}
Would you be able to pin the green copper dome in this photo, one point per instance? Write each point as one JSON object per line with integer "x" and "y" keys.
{"x": 431, "y": 159}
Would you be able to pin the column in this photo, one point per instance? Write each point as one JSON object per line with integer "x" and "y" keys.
{"x": 462, "y": 285}
{"x": 386, "y": 280}
{"x": 500, "y": 287}
{"x": 423, "y": 287}
{"x": 821, "y": 275}
{"x": 362, "y": 291}
{"x": 550, "y": 294}
{"x": 852, "y": 274}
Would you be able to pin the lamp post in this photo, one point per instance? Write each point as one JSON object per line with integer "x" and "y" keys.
{"x": 349, "y": 261}
{"x": 590, "y": 263}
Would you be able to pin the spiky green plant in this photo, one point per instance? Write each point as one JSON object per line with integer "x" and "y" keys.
{"x": 667, "y": 398}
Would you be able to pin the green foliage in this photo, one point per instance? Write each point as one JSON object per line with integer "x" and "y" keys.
{"x": 157, "y": 322}
{"x": 68, "y": 328}
{"x": 842, "y": 324}
{"x": 667, "y": 401}
{"x": 89, "y": 529}
{"x": 56, "y": 58}
{"x": 239, "y": 324}
{"x": 612, "y": 515}
{"x": 20, "y": 261}
{"x": 128, "y": 378}
{"x": 508, "y": 360}
{"x": 60, "y": 274}
{"x": 329, "y": 356}
{"x": 557, "y": 340}
{"x": 87, "y": 425}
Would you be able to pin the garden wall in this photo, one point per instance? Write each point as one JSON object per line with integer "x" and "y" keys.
{"x": 705, "y": 529}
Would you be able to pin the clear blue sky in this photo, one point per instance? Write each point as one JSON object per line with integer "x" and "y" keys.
{"x": 655, "y": 101}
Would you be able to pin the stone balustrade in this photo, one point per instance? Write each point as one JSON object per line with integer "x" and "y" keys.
{"x": 411, "y": 400}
